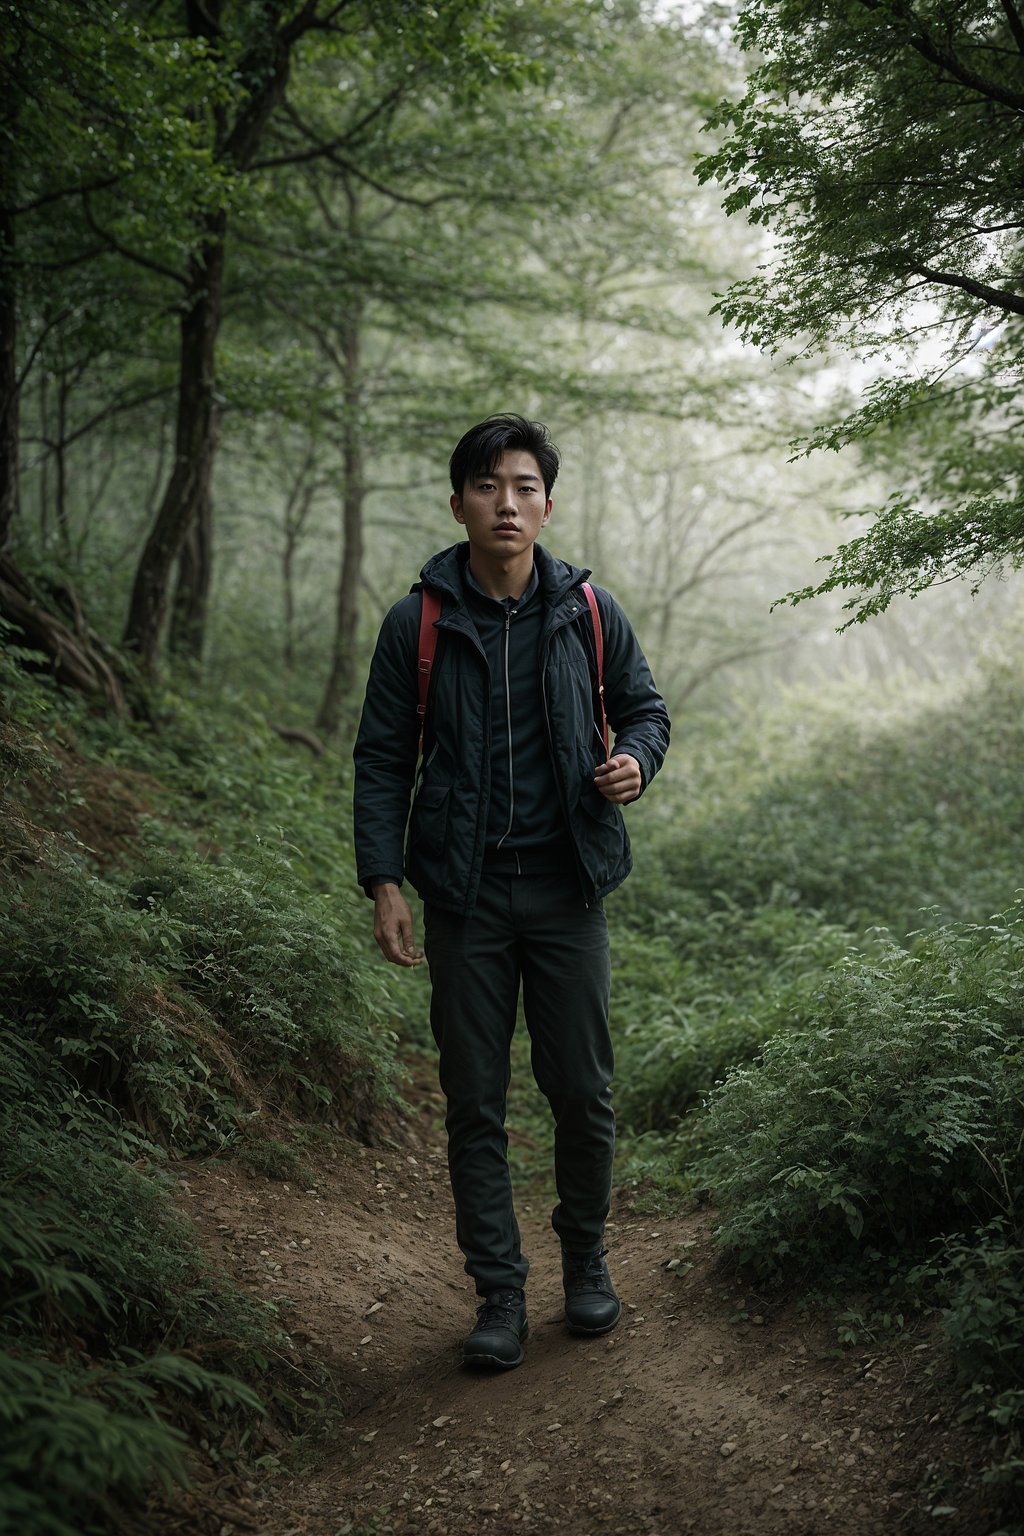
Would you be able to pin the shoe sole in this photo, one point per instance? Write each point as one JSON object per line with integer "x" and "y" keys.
{"x": 491, "y": 1362}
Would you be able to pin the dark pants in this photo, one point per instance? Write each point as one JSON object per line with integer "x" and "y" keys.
{"x": 533, "y": 929}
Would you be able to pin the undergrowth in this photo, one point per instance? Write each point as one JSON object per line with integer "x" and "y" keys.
{"x": 819, "y": 1024}
{"x": 116, "y": 1336}
{"x": 878, "y": 1145}
{"x": 180, "y": 971}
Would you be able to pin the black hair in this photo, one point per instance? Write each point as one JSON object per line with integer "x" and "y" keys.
{"x": 479, "y": 450}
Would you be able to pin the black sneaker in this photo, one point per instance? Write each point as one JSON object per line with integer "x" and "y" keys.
{"x": 500, "y": 1330}
{"x": 591, "y": 1305}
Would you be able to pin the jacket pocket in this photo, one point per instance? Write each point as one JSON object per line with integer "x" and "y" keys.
{"x": 428, "y": 825}
{"x": 600, "y": 833}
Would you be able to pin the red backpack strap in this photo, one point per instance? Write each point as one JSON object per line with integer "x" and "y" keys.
{"x": 588, "y": 593}
{"x": 430, "y": 612}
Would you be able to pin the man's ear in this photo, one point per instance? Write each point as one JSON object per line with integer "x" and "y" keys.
{"x": 455, "y": 502}
{"x": 547, "y": 514}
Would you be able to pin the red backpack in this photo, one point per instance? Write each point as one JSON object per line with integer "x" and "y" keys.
{"x": 430, "y": 612}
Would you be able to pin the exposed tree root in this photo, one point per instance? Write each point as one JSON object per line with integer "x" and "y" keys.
{"x": 74, "y": 649}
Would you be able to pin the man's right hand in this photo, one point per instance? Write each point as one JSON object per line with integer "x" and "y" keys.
{"x": 392, "y": 925}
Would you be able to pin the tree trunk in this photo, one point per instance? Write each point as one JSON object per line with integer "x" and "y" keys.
{"x": 341, "y": 678}
{"x": 263, "y": 71}
{"x": 194, "y": 447}
{"x": 44, "y": 466}
{"x": 288, "y": 578}
{"x": 9, "y": 435}
{"x": 195, "y": 564}
{"x": 61, "y": 466}
{"x": 296, "y": 513}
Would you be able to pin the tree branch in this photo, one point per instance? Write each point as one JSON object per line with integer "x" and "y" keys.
{"x": 326, "y": 147}
{"x": 33, "y": 351}
{"x": 55, "y": 197}
{"x": 115, "y": 408}
{"x": 308, "y": 20}
{"x": 729, "y": 659}
{"x": 1013, "y": 303}
{"x": 63, "y": 265}
{"x": 115, "y": 245}
{"x": 923, "y": 44}
{"x": 1016, "y": 23}
{"x": 397, "y": 197}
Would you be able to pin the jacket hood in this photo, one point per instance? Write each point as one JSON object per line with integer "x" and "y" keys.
{"x": 443, "y": 572}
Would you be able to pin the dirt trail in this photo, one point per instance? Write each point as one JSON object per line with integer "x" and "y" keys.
{"x": 690, "y": 1417}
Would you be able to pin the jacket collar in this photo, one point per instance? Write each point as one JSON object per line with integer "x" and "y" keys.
{"x": 442, "y": 572}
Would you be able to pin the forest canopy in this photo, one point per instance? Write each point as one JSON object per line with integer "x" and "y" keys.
{"x": 882, "y": 145}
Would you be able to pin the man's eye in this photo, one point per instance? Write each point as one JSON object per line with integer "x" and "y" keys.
{"x": 527, "y": 490}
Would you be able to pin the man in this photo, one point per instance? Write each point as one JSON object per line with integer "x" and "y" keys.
{"x": 514, "y": 838}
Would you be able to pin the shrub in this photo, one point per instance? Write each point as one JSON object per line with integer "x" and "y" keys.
{"x": 891, "y": 1113}
{"x": 193, "y": 990}
{"x": 705, "y": 994}
{"x": 103, "y": 1285}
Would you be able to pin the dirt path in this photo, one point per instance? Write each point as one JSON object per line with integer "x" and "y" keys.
{"x": 706, "y": 1411}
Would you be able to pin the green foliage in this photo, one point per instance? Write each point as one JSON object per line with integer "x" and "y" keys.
{"x": 983, "y": 1315}
{"x": 882, "y": 147}
{"x": 863, "y": 820}
{"x": 173, "y": 999}
{"x": 889, "y": 1119}
{"x": 103, "y": 1286}
{"x": 705, "y": 993}
{"x": 193, "y": 987}
{"x": 843, "y": 142}
{"x": 799, "y": 835}
{"x": 907, "y": 550}
{"x": 191, "y": 990}
{"x": 890, "y": 1114}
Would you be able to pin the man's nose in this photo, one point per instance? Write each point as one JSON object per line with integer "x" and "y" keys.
{"x": 506, "y": 498}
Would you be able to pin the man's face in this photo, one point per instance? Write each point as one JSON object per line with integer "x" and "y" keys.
{"x": 503, "y": 512}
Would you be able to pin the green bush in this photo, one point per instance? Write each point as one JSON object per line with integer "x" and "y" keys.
{"x": 891, "y": 1113}
{"x": 827, "y": 810}
{"x": 103, "y": 1287}
{"x": 194, "y": 990}
{"x": 703, "y": 994}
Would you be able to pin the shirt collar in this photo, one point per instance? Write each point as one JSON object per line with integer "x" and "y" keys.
{"x": 477, "y": 590}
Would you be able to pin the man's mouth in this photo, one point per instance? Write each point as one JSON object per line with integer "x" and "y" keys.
{"x": 506, "y": 528}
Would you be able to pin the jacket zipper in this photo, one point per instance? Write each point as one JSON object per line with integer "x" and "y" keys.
{"x": 509, "y": 612}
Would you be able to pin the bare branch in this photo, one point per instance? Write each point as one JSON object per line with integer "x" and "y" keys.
{"x": 33, "y": 351}
{"x": 62, "y": 266}
{"x": 728, "y": 659}
{"x": 116, "y": 408}
{"x": 319, "y": 148}
{"x": 308, "y": 20}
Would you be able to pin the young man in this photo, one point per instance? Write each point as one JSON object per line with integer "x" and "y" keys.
{"x": 514, "y": 838}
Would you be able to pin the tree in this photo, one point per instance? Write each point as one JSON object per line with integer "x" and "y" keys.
{"x": 476, "y": 226}
{"x": 254, "y": 48}
{"x": 881, "y": 142}
{"x": 81, "y": 120}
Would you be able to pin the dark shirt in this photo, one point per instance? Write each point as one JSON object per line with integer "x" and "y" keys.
{"x": 524, "y": 813}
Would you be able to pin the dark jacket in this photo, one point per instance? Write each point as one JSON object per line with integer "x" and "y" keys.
{"x": 444, "y": 852}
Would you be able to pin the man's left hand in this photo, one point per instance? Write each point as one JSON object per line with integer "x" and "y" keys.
{"x": 619, "y": 779}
